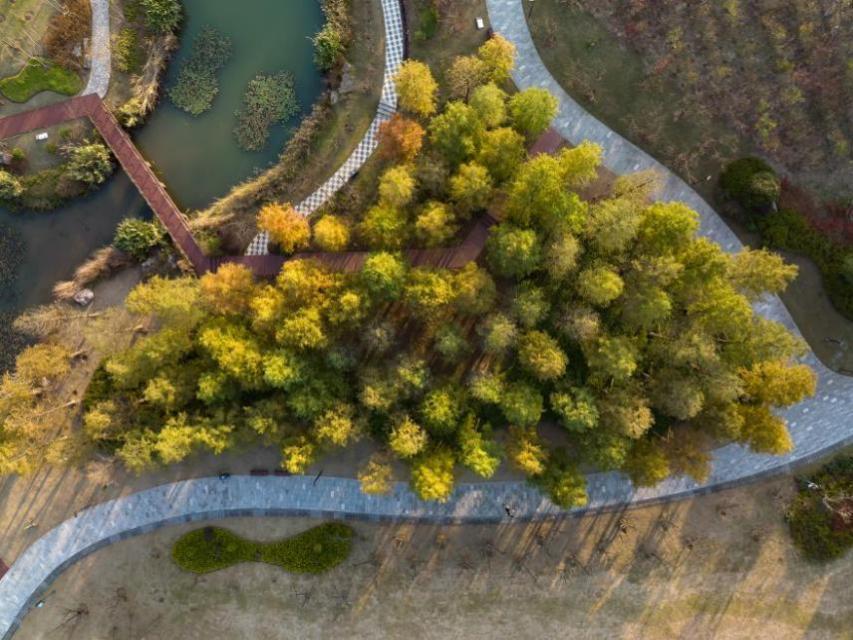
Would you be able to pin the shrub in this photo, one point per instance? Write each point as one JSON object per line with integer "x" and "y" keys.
{"x": 197, "y": 84}
{"x": 129, "y": 55}
{"x": 816, "y": 532}
{"x": 136, "y": 237}
{"x": 10, "y": 186}
{"x": 752, "y": 183}
{"x": 313, "y": 551}
{"x": 162, "y": 16}
{"x": 268, "y": 99}
{"x": 332, "y": 40}
{"x": 89, "y": 163}
{"x": 328, "y": 47}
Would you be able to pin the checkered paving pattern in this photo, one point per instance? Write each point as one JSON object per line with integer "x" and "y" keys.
{"x": 394, "y": 53}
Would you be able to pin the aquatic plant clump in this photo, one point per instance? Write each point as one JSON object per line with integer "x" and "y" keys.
{"x": 269, "y": 99}
{"x": 197, "y": 84}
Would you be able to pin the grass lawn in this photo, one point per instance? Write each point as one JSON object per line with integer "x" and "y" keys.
{"x": 23, "y": 23}
{"x": 40, "y": 76}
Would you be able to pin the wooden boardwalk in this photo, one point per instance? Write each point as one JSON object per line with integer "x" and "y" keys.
{"x": 154, "y": 192}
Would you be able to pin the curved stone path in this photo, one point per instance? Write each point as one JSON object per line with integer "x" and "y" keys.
{"x": 100, "y": 49}
{"x": 395, "y": 49}
{"x": 818, "y": 425}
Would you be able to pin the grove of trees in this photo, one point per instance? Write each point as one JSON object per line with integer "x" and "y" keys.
{"x": 592, "y": 333}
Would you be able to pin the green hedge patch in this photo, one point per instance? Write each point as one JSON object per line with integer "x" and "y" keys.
{"x": 313, "y": 551}
{"x": 789, "y": 230}
{"x": 37, "y": 76}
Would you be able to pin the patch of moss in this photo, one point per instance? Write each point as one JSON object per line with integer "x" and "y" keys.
{"x": 313, "y": 551}
{"x": 37, "y": 76}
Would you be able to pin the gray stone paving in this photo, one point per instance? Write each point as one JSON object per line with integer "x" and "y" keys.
{"x": 394, "y": 53}
{"x": 101, "y": 54}
{"x": 817, "y": 425}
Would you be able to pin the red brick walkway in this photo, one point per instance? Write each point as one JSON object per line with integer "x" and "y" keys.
{"x": 155, "y": 194}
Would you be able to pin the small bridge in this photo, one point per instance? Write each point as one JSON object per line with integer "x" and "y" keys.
{"x": 135, "y": 166}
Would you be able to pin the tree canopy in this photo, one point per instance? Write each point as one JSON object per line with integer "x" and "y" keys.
{"x": 611, "y": 321}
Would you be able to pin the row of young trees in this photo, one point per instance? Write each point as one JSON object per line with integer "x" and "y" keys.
{"x": 597, "y": 333}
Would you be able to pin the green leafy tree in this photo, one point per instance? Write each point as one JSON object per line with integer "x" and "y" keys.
{"x": 471, "y": 187}
{"x": 600, "y": 285}
{"x": 329, "y": 46}
{"x": 530, "y": 305}
{"x": 384, "y": 227}
{"x": 432, "y": 474}
{"x": 499, "y": 333}
{"x": 456, "y": 132}
{"x": 541, "y": 356}
{"x": 498, "y": 55}
{"x": 435, "y": 224}
{"x": 416, "y": 88}
{"x": 465, "y": 74}
{"x": 427, "y": 291}
{"x": 331, "y": 233}
{"x": 441, "y": 410}
{"x": 286, "y": 226}
{"x": 137, "y": 237}
{"x": 564, "y": 484}
{"x": 532, "y": 111}
{"x": 478, "y": 453}
{"x": 538, "y": 197}
{"x": 513, "y": 252}
{"x": 489, "y": 102}
{"x": 10, "y": 187}
{"x": 407, "y": 438}
{"x": 396, "y": 187}
{"x": 475, "y": 290}
{"x": 576, "y": 408}
{"x": 501, "y": 152}
{"x": 89, "y": 163}
{"x": 384, "y": 276}
{"x": 521, "y": 404}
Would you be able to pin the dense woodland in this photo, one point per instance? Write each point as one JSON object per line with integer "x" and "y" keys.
{"x": 592, "y": 334}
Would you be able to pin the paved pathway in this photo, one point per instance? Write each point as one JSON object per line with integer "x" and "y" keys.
{"x": 101, "y": 54}
{"x": 818, "y": 425}
{"x": 395, "y": 50}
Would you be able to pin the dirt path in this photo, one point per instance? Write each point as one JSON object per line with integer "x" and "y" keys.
{"x": 718, "y": 566}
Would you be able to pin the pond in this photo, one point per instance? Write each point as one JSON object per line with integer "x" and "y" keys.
{"x": 197, "y": 158}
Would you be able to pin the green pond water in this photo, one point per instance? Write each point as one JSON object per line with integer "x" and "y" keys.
{"x": 196, "y": 157}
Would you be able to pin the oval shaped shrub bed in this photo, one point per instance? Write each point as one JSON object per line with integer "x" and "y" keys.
{"x": 313, "y": 551}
